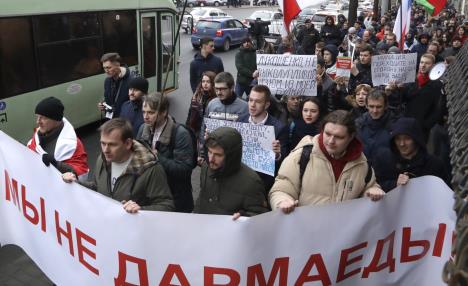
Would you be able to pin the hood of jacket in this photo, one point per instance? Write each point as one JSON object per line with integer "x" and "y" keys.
{"x": 142, "y": 159}
{"x": 407, "y": 126}
{"x": 231, "y": 142}
{"x": 333, "y": 50}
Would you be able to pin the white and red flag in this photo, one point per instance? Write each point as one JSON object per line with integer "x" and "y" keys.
{"x": 403, "y": 21}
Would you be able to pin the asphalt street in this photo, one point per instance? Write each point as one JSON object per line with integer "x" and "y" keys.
{"x": 16, "y": 268}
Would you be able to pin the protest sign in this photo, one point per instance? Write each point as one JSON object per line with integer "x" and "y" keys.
{"x": 257, "y": 149}
{"x": 400, "y": 68}
{"x": 343, "y": 66}
{"x": 288, "y": 74}
{"x": 79, "y": 237}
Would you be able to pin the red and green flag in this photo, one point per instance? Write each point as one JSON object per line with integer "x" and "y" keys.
{"x": 433, "y": 7}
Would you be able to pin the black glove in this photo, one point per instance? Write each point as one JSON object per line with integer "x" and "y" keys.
{"x": 49, "y": 159}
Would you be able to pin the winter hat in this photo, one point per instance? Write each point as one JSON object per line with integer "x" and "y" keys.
{"x": 393, "y": 50}
{"x": 50, "y": 107}
{"x": 351, "y": 30}
{"x": 332, "y": 49}
{"x": 139, "y": 83}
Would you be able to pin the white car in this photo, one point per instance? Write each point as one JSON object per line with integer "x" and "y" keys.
{"x": 275, "y": 17}
{"x": 190, "y": 20}
{"x": 333, "y": 7}
{"x": 319, "y": 18}
{"x": 215, "y": 2}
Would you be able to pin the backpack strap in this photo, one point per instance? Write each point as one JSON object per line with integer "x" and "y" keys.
{"x": 305, "y": 157}
{"x": 368, "y": 174}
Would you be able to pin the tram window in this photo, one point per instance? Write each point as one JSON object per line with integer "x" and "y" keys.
{"x": 17, "y": 65}
{"x": 167, "y": 35}
{"x": 120, "y": 35}
{"x": 52, "y": 28}
{"x": 84, "y": 25}
{"x": 67, "y": 61}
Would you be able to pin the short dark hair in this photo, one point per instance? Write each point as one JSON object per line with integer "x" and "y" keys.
{"x": 367, "y": 48}
{"x": 377, "y": 94}
{"x": 264, "y": 90}
{"x": 205, "y": 41}
{"x": 340, "y": 117}
{"x": 156, "y": 101}
{"x": 123, "y": 125}
{"x": 113, "y": 57}
{"x": 225, "y": 77}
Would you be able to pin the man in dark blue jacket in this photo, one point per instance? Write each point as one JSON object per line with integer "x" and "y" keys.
{"x": 132, "y": 109}
{"x": 204, "y": 61}
{"x": 115, "y": 85}
{"x": 259, "y": 101}
{"x": 407, "y": 157}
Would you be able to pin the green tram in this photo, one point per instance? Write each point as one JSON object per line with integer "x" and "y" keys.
{"x": 53, "y": 48}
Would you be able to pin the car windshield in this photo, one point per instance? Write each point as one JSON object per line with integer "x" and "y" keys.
{"x": 208, "y": 25}
{"x": 318, "y": 18}
{"x": 261, "y": 15}
{"x": 198, "y": 12}
{"x": 307, "y": 11}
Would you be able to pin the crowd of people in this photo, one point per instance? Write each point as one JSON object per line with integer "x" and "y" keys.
{"x": 352, "y": 140}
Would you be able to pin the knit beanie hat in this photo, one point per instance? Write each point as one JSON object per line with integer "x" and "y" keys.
{"x": 50, "y": 107}
{"x": 139, "y": 83}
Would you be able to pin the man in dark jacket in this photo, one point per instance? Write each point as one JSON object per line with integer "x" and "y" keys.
{"x": 373, "y": 127}
{"x": 173, "y": 145}
{"x": 246, "y": 64}
{"x": 115, "y": 85}
{"x": 421, "y": 47}
{"x": 407, "y": 157}
{"x": 308, "y": 37}
{"x": 259, "y": 102}
{"x": 132, "y": 109}
{"x": 361, "y": 70}
{"x": 227, "y": 186}
{"x": 204, "y": 61}
{"x": 331, "y": 95}
{"x": 330, "y": 33}
{"x": 127, "y": 171}
{"x": 423, "y": 98}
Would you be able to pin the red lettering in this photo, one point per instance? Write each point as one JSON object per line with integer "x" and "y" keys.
{"x": 315, "y": 259}
{"x": 25, "y": 205}
{"x": 210, "y": 272}
{"x": 345, "y": 262}
{"x": 439, "y": 241}
{"x": 67, "y": 234}
{"x": 373, "y": 266}
{"x": 142, "y": 270}
{"x": 280, "y": 266}
{"x": 171, "y": 271}
{"x": 80, "y": 236}
{"x": 406, "y": 244}
{"x": 11, "y": 190}
{"x": 43, "y": 216}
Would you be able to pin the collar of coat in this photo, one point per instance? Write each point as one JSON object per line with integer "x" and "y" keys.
{"x": 142, "y": 159}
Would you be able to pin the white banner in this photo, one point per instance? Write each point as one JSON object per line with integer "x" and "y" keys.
{"x": 257, "y": 143}
{"x": 400, "y": 68}
{"x": 288, "y": 74}
{"x": 79, "y": 237}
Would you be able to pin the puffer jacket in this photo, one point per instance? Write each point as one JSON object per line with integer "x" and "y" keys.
{"x": 143, "y": 182}
{"x": 234, "y": 187}
{"x": 246, "y": 64}
{"x": 318, "y": 184}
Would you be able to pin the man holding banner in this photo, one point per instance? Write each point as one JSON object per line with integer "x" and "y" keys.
{"x": 227, "y": 186}
{"x": 329, "y": 167}
{"x": 127, "y": 171}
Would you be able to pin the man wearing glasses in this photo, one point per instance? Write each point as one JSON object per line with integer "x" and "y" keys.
{"x": 115, "y": 85}
{"x": 204, "y": 61}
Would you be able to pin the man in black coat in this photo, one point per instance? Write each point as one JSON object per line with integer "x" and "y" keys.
{"x": 308, "y": 37}
{"x": 408, "y": 157}
{"x": 204, "y": 61}
{"x": 361, "y": 70}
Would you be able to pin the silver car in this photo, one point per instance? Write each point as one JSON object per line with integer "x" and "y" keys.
{"x": 190, "y": 20}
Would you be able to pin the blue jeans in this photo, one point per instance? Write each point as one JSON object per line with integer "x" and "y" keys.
{"x": 240, "y": 89}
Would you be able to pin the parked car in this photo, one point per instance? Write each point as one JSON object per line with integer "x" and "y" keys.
{"x": 305, "y": 14}
{"x": 190, "y": 20}
{"x": 318, "y": 19}
{"x": 215, "y": 3}
{"x": 225, "y": 32}
{"x": 333, "y": 7}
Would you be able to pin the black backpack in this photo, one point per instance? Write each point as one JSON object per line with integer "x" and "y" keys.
{"x": 193, "y": 139}
{"x": 305, "y": 157}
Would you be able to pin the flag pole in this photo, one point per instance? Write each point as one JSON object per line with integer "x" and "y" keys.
{"x": 401, "y": 27}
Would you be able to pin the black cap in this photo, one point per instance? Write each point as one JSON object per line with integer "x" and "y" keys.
{"x": 50, "y": 107}
{"x": 139, "y": 83}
